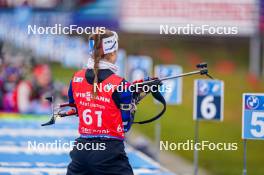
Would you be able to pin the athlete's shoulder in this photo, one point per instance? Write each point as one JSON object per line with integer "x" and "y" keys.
{"x": 118, "y": 77}
{"x": 78, "y": 76}
{"x": 80, "y": 72}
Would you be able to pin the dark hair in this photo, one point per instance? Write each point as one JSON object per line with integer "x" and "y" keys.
{"x": 98, "y": 53}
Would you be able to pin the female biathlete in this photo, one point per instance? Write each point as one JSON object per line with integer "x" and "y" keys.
{"x": 102, "y": 120}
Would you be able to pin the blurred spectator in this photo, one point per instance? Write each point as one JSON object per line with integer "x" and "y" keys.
{"x": 30, "y": 94}
{"x": 10, "y": 78}
{"x": 1, "y": 81}
{"x": 26, "y": 95}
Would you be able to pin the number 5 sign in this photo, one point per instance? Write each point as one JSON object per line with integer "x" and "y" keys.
{"x": 253, "y": 116}
{"x": 208, "y": 100}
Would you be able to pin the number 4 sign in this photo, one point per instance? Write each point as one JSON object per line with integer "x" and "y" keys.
{"x": 208, "y": 100}
{"x": 172, "y": 89}
{"x": 253, "y": 116}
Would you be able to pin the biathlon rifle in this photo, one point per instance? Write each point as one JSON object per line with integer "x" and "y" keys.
{"x": 59, "y": 113}
{"x": 202, "y": 70}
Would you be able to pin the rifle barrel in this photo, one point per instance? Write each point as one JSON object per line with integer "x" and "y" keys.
{"x": 181, "y": 75}
{"x": 178, "y": 76}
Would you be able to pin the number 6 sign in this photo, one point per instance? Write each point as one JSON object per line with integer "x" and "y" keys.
{"x": 253, "y": 116}
{"x": 208, "y": 100}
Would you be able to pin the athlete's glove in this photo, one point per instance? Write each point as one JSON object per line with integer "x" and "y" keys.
{"x": 66, "y": 109}
{"x": 145, "y": 86}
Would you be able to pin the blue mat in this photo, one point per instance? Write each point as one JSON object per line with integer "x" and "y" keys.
{"x": 16, "y": 158}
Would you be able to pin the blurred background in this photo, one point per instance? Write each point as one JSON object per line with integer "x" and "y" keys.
{"x": 33, "y": 66}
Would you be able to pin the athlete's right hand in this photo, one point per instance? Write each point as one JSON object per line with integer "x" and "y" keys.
{"x": 69, "y": 112}
{"x": 66, "y": 109}
{"x": 139, "y": 85}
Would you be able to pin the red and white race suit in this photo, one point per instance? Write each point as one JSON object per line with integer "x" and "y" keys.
{"x": 98, "y": 115}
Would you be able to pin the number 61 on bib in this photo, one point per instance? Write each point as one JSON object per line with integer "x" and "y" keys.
{"x": 253, "y": 116}
{"x": 208, "y": 100}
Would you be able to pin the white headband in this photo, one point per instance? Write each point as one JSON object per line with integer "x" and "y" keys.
{"x": 110, "y": 44}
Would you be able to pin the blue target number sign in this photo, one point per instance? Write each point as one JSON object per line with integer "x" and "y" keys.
{"x": 253, "y": 116}
{"x": 208, "y": 99}
{"x": 139, "y": 67}
{"x": 171, "y": 89}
